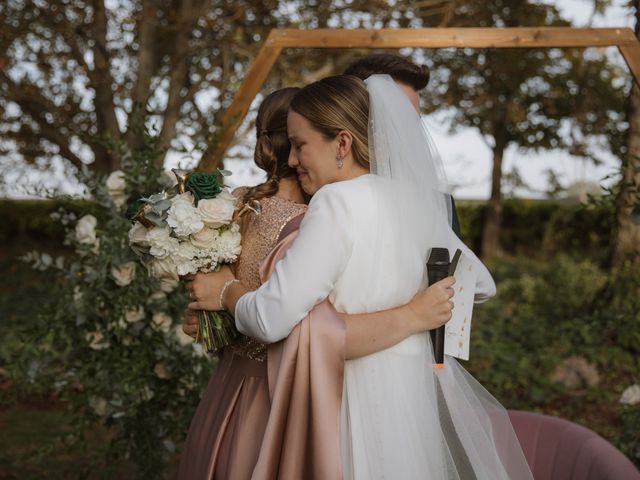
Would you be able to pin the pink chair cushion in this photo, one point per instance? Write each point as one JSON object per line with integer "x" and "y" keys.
{"x": 557, "y": 449}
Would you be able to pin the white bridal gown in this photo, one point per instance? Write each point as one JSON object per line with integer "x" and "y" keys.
{"x": 394, "y": 420}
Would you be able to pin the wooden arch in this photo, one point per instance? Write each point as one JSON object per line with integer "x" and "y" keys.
{"x": 518, "y": 37}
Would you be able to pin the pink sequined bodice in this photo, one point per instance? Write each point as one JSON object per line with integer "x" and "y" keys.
{"x": 260, "y": 233}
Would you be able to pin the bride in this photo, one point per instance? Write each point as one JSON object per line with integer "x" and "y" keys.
{"x": 378, "y": 207}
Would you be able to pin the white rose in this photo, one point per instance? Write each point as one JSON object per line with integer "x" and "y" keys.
{"x": 96, "y": 247}
{"x": 205, "y": 238}
{"x": 631, "y": 395}
{"x": 157, "y": 297}
{"x": 186, "y": 258}
{"x": 161, "y": 371}
{"x": 134, "y": 314}
{"x": 164, "y": 268}
{"x": 161, "y": 243}
{"x": 228, "y": 244}
{"x": 183, "y": 338}
{"x": 218, "y": 211}
{"x": 99, "y": 405}
{"x": 96, "y": 340}
{"x": 86, "y": 230}
{"x": 116, "y": 182}
{"x": 138, "y": 235}
{"x": 186, "y": 267}
{"x": 78, "y": 295}
{"x": 168, "y": 284}
{"x": 146, "y": 393}
{"x": 116, "y": 185}
{"x": 162, "y": 321}
{"x": 183, "y": 217}
{"x": 119, "y": 200}
{"x": 124, "y": 274}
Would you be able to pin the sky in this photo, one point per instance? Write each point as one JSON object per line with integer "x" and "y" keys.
{"x": 466, "y": 157}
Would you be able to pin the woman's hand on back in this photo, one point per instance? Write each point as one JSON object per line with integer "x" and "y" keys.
{"x": 432, "y": 307}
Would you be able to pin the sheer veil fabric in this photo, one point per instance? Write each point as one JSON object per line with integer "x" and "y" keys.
{"x": 400, "y": 417}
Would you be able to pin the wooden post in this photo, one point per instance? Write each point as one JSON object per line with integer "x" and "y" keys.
{"x": 238, "y": 109}
{"x": 631, "y": 55}
{"x": 517, "y": 37}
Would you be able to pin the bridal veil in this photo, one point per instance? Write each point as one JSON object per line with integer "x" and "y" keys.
{"x": 442, "y": 418}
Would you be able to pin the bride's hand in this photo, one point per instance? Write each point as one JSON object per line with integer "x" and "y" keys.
{"x": 431, "y": 307}
{"x": 190, "y": 323}
{"x": 204, "y": 289}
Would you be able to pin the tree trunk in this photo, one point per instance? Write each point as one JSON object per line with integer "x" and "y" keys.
{"x": 627, "y": 242}
{"x": 493, "y": 211}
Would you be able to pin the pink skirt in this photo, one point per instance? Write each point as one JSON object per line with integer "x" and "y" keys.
{"x": 226, "y": 432}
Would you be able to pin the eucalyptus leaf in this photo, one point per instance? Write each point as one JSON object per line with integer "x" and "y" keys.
{"x": 158, "y": 197}
{"x": 161, "y": 206}
{"x": 154, "y": 218}
{"x": 225, "y": 173}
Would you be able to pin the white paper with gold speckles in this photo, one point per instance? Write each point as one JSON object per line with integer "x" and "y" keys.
{"x": 458, "y": 329}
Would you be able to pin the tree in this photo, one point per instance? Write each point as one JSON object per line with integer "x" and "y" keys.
{"x": 531, "y": 98}
{"x": 627, "y": 241}
{"x": 78, "y": 77}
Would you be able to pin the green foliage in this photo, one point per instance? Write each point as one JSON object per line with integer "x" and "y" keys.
{"x": 546, "y": 313}
{"x": 108, "y": 342}
{"x": 580, "y": 230}
{"x": 542, "y": 229}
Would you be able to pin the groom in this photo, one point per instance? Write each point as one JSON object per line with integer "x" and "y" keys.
{"x": 411, "y": 78}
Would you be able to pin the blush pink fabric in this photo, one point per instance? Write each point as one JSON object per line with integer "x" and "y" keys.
{"x": 293, "y": 399}
{"x": 557, "y": 449}
{"x": 305, "y": 372}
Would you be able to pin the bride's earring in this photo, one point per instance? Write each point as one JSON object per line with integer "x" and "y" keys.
{"x": 339, "y": 160}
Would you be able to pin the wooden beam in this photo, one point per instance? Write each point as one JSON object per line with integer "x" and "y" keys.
{"x": 254, "y": 79}
{"x": 518, "y": 37}
{"x": 631, "y": 55}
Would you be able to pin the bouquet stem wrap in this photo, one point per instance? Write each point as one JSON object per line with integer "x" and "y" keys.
{"x": 216, "y": 330}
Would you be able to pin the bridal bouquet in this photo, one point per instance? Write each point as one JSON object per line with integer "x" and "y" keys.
{"x": 185, "y": 230}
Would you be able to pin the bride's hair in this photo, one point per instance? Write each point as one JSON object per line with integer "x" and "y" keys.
{"x": 397, "y": 67}
{"x": 338, "y": 103}
{"x": 272, "y": 146}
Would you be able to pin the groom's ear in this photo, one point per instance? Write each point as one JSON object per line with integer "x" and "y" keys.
{"x": 345, "y": 139}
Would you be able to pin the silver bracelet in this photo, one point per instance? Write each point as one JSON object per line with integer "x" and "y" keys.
{"x": 224, "y": 290}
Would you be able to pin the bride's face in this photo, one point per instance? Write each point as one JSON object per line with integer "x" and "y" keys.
{"x": 312, "y": 155}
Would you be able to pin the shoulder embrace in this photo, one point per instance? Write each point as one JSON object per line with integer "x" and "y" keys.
{"x": 349, "y": 192}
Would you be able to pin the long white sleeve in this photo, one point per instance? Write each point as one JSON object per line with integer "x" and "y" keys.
{"x": 307, "y": 273}
{"x": 485, "y": 286}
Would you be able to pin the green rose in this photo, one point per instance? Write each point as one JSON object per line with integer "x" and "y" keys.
{"x": 203, "y": 185}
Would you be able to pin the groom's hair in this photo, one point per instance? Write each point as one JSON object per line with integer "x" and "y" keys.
{"x": 397, "y": 67}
